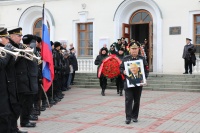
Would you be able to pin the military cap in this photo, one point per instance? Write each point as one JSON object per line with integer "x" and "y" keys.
{"x": 118, "y": 39}
{"x": 112, "y": 45}
{"x": 122, "y": 38}
{"x": 3, "y": 32}
{"x": 188, "y": 39}
{"x": 57, "y": 44}
{"x": 132, "y": 40}
{"x": 134, "y": 45}
{"x": 17, "y": 31}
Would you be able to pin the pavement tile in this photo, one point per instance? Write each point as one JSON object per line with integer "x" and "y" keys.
{"x": 86, "y": 111}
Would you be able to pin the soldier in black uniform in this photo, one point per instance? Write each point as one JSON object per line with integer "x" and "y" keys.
{"x": 98, "y": 61}
{"x": 119, "y": 80}
{"x": 10, "y": 110}
{"x": 26, "y": 74}
{"x": 118, "y": 44}
{"x": 132, "y": 93}
{"x": 57, "y": 70}
{"x": 112, "y": 50}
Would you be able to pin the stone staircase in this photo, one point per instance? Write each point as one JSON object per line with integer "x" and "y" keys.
{"x": 158, "y": 82}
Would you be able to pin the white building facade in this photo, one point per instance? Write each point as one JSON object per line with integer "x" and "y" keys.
{"x": 89, "y": 24}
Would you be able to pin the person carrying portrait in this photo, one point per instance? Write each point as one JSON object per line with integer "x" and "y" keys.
{"x": 132, "y": 94}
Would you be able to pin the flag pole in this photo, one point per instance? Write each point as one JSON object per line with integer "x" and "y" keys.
{"x": 45, "y": 96}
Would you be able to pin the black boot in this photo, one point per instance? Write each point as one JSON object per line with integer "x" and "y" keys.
{"x": 121, "y": 94}
{"x": 103, "y": 92}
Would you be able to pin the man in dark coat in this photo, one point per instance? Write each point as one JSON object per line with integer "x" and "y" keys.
{"x": 112, "y": 50}
{"x": 26, "y": 75}
{"x": 9, "y": 79}
{"x": 57, "y": 84}
{"x": 74, "y": 63}
{"x": 189, "y": 56}
{"x": 132, "y": 93}
{"x": 98, "y": 61}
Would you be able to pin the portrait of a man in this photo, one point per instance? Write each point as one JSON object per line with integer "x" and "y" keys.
{"x": 135, "y": 76}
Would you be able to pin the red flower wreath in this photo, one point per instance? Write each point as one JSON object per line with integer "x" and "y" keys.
{"x": 110, "y": 67}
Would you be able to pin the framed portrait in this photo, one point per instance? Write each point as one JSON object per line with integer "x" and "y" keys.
{"x": 135, "y": 75}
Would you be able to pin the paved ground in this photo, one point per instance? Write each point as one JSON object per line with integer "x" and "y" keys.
{"x": 86, "y": 111}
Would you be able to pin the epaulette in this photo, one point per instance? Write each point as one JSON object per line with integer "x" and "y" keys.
{"x": 139, "y": 56}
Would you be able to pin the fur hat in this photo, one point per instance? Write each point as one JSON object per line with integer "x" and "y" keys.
{"x": 57, "y": 44}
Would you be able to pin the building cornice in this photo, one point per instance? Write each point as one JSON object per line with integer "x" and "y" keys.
{"x": 18, "y": 2}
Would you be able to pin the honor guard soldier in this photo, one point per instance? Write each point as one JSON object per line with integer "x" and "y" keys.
{"x": 132, "y": 94}
{"x": 26, "y": 81}
{"x": 57, "y": 96}
{"x": 98, "y": 61}
{"x": 9, "y": 99}
{"x": 118, "y": 44}
{"x": 119, "y": 79}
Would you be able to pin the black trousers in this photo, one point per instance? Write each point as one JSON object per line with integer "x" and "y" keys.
{"x": 103, "y": 82}
{"x": 26, "y": 101}
{"x": 119, "y": 83}
{"x": 188, "y": 64}
{"x": 57, "y": 84}
{"x": 5, "y": 123}
{"x": 73, "y": 75}
{"x": 14, "y": 127}
{"x": 132, "y": 95}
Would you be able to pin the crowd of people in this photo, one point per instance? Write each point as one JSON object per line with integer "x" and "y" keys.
{"x": 126, "y": 52}
{"x": 22, "y": 94}
{"x": 121, "y": 49}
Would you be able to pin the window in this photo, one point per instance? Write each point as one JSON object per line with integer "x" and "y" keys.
{"x": 141, "y": 16}
{"x": 197, "y": 29}
{"x": 37, "y": 28}
{"x": 85, "y": 39}
{"x": 197, "y": 33}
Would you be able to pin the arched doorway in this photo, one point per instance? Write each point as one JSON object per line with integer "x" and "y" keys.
{"x": 31, "y": 16}
{"x": 122, "y": 17}
{"x": 37, "y": 27}
{"x": 141, "y": 28}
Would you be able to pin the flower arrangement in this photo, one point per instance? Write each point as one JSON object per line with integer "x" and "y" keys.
{"x": 110, "y": 67}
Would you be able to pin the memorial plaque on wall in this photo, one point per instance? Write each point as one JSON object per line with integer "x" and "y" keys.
{"x": 175, "y": 30}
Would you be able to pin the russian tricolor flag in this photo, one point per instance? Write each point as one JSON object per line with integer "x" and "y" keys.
{"x": 46, "y": 53}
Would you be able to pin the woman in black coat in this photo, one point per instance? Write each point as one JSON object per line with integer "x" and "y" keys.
{"x": 98, "y": 61}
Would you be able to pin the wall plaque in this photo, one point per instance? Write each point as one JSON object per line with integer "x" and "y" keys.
{"x": 175, "y": 30}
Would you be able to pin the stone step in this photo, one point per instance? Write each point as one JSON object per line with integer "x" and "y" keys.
{"x": 150, "y": 75}
{"x": 162, "y": 82}
{"x": 144, "y": 88}
{"x": 187, "y": 83}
